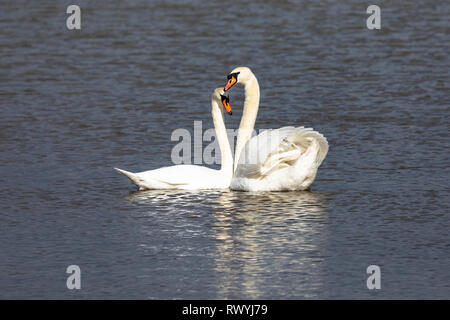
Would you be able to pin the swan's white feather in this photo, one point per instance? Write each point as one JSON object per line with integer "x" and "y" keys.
{"x": 281, "y": 159}
{"x": 191, "y": 177}
{"x": 187, "y": 177}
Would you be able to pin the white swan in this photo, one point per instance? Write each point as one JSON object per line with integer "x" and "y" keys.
{"x": 275, "y": 160}
{"x": 192, "y": 177}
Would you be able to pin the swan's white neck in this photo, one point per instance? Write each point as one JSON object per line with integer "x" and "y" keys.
{"x": 222, "y": 139}
{"x": 250, "y": 112}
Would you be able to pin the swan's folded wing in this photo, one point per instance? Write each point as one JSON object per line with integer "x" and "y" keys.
{"x": 283, "y": 156}
{"x": 277, "y": 149}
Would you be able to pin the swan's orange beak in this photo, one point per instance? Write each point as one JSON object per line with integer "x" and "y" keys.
{"x": 231, "y": 82}
{"x": 226, "y": 104}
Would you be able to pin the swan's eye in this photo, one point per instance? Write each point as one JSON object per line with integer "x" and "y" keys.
{"x": 233, "y": 75}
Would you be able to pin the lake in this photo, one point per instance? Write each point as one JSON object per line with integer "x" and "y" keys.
{"x": 77, "y": 103}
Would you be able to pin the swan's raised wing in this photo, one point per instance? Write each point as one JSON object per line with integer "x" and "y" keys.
{"x": 274, "y": 150}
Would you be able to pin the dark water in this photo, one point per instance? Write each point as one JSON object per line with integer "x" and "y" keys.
{"x": 75, "y": 104}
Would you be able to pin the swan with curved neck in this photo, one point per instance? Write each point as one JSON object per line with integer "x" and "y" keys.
{"x": 275, "y": 160}
{"x": 191, "y": 177}
{"x": 244, "y": 76}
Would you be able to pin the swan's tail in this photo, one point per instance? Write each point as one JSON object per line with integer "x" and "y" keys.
{"x": 132, "y": 176}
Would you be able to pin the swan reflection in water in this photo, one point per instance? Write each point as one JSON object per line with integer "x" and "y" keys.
{"x": 258, "y": 245}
